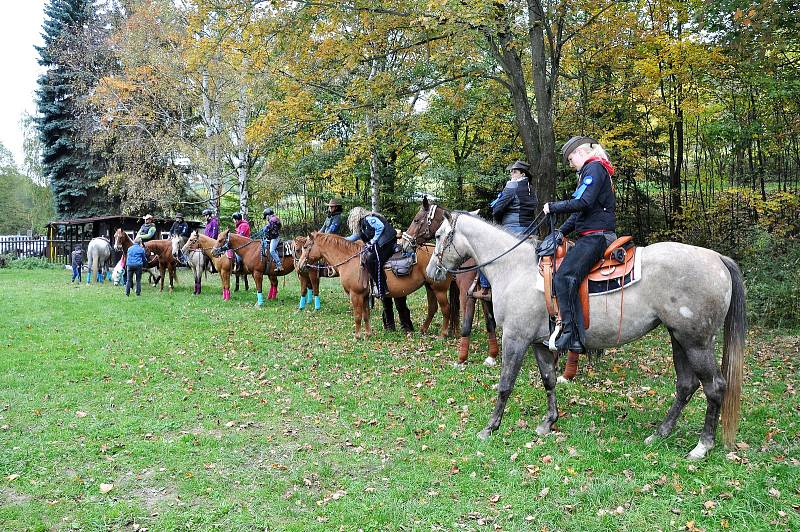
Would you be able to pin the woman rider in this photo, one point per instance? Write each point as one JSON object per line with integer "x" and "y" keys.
{"x": 379, "y": 238}
{"x": 593, "y": 217}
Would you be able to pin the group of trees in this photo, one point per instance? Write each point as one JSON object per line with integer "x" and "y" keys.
{"x": 169, "y": 105}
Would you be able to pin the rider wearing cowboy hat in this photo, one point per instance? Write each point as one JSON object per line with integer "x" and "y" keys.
{"x": 592, "y": 208}
{"x": 148, "y": 229}
{"x": 334, "y": 218}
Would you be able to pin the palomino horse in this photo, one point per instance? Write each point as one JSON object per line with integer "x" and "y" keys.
{"x": 98, "y": 253}
{"x": 253, "y": 262}
{"x": 422, "y": 229}
{"x": 693, "y": 291}
{"x": 344, "y": 255}
{"x": 162, "y": 249}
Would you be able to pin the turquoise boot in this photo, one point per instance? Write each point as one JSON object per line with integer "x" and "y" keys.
{"x": 302, "y": 304}
{"x": 317, "y": 303}
{"x": 260, "y": 297}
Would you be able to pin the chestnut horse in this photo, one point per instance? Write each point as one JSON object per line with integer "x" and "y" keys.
{"x": 345, "y": 255}
{"x": 162, "y": 249}
{"x": 253, "y": 262}
{"x": 309, "y": 278}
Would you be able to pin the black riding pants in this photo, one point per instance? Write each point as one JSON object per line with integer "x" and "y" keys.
{"x": 374, "y": 262}
{"x": 576, "y": 265}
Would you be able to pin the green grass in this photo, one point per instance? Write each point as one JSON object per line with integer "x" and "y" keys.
{"x": 212, "y": 415}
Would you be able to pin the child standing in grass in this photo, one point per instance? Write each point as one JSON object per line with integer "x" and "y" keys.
{"x": 77, "y": 262}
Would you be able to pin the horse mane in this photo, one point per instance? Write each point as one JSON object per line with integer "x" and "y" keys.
{"x": 337, "y": 241}
{"x": 495, "y": 225}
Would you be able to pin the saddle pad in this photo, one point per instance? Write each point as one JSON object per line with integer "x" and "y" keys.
{"x": 285, "y": 248}
{"x": 599, "y": 288}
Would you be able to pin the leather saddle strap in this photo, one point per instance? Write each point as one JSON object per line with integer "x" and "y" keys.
{"x": 549, "y": 297}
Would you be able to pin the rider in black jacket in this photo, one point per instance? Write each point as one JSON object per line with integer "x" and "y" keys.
{"x": 593, "y": 217}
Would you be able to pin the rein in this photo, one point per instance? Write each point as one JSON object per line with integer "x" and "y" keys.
{"x": 318, "y": 267}
{"x": 533, "y": 226}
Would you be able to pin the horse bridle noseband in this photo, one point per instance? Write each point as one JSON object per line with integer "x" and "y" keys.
{"x": 412, "y": 240}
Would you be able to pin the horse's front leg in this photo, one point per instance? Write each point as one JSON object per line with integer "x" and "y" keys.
{"x": 259, "y": 278}
{"x": 547, "y": 370}
{"x": 162, "y": 269}
{"x": 513, "y": 354}
{"x": 444, "y": 308}
{"x": 431, "y": 297}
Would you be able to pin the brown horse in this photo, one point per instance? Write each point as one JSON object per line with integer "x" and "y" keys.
{"x": 309, "y": 278}
{"x": 345, "y": 257}
{"x": 422, "y": 229}
{"x": 253, "y": 262}
{"x": 199, "y": 245}
{"x": 159, "y": 253}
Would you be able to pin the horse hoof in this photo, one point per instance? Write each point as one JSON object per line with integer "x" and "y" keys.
{"x": 699, "y": 452}
{"x": 489, "y": 362}
{"x": 484, "y": 434}
{"x": 460, "y": 365}
{"x": 562, "y": 380}
{"x": 650, "y": 440}
{"x": 543, "y": 429}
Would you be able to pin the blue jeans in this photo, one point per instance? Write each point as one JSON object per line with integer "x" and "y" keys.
{"x": 134, "y": 271}
{"x": 76, "y": 273}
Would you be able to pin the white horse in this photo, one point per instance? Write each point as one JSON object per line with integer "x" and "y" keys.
{"x": 693, "y": 291}
{"x": 98, "y": 254}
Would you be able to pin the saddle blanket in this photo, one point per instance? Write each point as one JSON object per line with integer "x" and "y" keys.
{"x": 599, "y": 288}
{"x": 285, "y": 248}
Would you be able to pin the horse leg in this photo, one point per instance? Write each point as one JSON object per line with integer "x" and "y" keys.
{"x": 314, "y": 277}
{"x": 513, "y": 354}
{"x": 468, "y": 313}
{"x": 259, "y": 279}
{"x": 357, "y": 304}
{"x": 162, "y": 269}
{"x": 236, "y": 288}
{"x": 431, "y": 298}
{"x": 304, "y": 282}
{"x": 444, "y": 308}
{"x": 701, "y": 359}
{"x": 387, "y": 314}
{"x": 246, "y": 284}
{"x": 225, "y": 277}
{"x": 686, "y": 383}
{"x": 405, "y": 314}
{"x": 491, "y": 334}
{"x": 547, "y": 370}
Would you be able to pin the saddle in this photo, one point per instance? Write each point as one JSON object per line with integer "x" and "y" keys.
{"x": 401, "y": 263}
{"x": 612, "y": 272}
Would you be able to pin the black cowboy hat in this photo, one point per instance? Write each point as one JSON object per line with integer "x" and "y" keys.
{"x": 522, "y": 166}
{"x": 178, "y": 215}
{"x": 573, "y": 143}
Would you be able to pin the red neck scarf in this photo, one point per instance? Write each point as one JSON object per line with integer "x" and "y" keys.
{"x": 604, "y": 162}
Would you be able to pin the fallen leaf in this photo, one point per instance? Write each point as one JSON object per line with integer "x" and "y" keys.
{"x": 81, "y": 413}
{"x": 774, "y": 493}
{"x": 547, "y": 459}
{"x": 544, "y": 492}
{"x": 494, "y": 498}
{"x": 709, "y": 505}
{"x": 105, "y": 488}
{"x": 12, "y": 477}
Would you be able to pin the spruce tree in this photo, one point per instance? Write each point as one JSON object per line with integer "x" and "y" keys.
{"x": 72, "y": 170}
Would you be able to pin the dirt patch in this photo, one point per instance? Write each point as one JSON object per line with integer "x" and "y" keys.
{"x": 154, "y": 498}
{"x": 10, "y": 496}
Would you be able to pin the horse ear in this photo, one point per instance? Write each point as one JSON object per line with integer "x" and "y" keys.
{"x": 448, "y": 216}
{"x": 425, "y": 204}
{"x": 475, "y": 212}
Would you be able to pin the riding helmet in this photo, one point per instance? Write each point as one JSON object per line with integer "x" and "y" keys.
{"x": 237, "y": 216}
{"x": 208, "y": 212}
{"x": 268, "y": 212}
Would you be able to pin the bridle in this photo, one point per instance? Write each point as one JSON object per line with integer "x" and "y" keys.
{"x": 412, "y": 240}
{"x": 310, "y": 244}
{"x": 448, "y": 242}
{"x": 226, "y": 246}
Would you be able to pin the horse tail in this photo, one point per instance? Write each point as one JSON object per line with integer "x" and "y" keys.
{"x": 455, "y": 308}
{"x": 733, "y": 354}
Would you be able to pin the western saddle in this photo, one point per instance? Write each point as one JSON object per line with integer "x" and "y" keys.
{"x": 616, "y": 264}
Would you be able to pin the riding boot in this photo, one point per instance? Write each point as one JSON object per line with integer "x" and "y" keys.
{"x": 317, "y": 303}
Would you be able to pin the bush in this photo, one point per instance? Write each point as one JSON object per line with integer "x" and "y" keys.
{"x": 772, "y": 275}
{"x": 31, "y": 263}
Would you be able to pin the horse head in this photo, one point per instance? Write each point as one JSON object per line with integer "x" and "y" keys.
{"x": 191, "y": 244}
{"x": 309, "y": 252}
{"x": 223, "y": 243}
{"x": 424, "y": 225}
{"x": 446, "y": 255}
{"x": 119, "y": 238}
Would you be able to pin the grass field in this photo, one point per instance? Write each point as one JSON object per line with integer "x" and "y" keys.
{"x": 175, "y": 412}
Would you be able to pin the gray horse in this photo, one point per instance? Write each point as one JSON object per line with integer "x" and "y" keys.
{"x": 693, "y": 291}
{"x": 98, "y": 254}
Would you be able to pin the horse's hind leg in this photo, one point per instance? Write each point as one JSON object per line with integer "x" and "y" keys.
{"x": 686, "y": 383}
{"x": 702, "y": 360}
{"x": 444, "y": 308}
{"x": 431, "y": 296}
{"x": 513, "y": 353}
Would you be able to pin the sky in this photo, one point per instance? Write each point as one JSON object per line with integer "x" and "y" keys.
{"x": 20, "y": 30}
